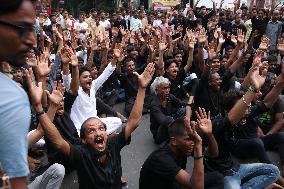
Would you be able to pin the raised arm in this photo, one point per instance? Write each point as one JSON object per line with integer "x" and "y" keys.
{"x": 54, "y": 100}
{"x": 162, "y": 48}
{"x": 205, "y": 125}
{"x": 50, "y": 130}
{"x": 257, "y": 79}
{"x": 196, "y": 180}
{"x": 136, "y": 113}
{"x": 273, "y": 95}
{"x": 191, "y": 43}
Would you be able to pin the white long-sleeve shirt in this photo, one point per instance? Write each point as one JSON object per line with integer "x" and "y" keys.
{"x": 84, "y": 106}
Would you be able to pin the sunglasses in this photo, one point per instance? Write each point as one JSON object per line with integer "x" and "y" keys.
{"x": 23, "y": 31}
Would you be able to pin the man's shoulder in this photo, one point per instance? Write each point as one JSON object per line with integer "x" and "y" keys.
{"x": 11, "y": 92}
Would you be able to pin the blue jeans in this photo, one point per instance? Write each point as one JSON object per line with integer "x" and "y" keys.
{"x": 252, "y": 176}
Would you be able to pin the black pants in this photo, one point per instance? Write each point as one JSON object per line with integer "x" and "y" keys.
{"x": 213, "y": 180}
{"x": 257, "y": 147}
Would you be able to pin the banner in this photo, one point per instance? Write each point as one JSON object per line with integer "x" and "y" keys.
{"x": 226, "y": 4}
{"x": 164, "y": 4}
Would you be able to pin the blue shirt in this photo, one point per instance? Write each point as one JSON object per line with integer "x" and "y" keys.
{"x": 15, "y": 118}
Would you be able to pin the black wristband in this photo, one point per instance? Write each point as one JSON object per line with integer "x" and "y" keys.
{"x": 190, "y": 105}
{"x": 40, "y": 113}
{"x": 199, "y": 157}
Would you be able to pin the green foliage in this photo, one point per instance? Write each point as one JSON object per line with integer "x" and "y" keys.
{"x": 75, "y": 6}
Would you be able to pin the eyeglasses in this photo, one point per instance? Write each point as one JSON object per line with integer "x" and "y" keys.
{"x": 23, "y": 31}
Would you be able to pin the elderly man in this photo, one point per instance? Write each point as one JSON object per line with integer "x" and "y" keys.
{"x": 165, "y": 108}
{"x": 17, "y": 19}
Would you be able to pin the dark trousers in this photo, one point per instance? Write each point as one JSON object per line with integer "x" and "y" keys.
{"x": 256, "y": 147}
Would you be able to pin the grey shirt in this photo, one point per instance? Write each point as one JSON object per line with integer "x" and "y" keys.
{"x": 273, "y": 32}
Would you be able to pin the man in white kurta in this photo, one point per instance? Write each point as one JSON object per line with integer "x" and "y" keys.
{"x": 84, "y": 106}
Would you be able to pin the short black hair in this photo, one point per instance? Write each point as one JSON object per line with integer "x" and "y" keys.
{"x": 84, "y": 69}
{"x": 129, "y": 59}
{"x": 169, "y": 62}
{"x": 231, "y": 97}
{"x": 8, "y": 6}
{"x": 176, "y": 128}
{"x": 82, "y": 130}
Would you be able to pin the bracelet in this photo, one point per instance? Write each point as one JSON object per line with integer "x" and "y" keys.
{"x": 40, "y": 113}
{"x": 190, "y": 105}
{"x": 243, "y": 99}
{"x": 199, "y": 157}
{"x": 251, "y": 89}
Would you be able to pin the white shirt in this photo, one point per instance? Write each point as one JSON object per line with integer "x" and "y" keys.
{"x": 105, "y": 24}
{"x": 84, "y": 106}
{"x": 135, "y": 24}
{"x": 157, "y": 23}
{"x": 81, "y": 26}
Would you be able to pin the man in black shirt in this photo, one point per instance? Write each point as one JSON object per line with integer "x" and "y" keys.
{"x": 165, "y": 167}
{"x": 97, "y": 160}
{"x": 224, "y": 129}
{"x": 129, "y": 83}
{"x": 165, "y": 108}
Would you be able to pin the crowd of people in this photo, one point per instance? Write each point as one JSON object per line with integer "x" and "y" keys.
{"x": 211, "y": 79}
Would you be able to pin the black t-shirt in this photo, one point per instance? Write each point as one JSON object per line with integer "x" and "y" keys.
{"x": 91, "y": 173}
{"x": 160, "y": 116}
{"x": 267, "y": 119}
{"x": 176, "y": 87}
{"x": 209, "y": 99}
{"x": 249, "y": 130}
{"x": 224, "y": 162}
{"x": 130, "y": 84}
{"x": 67, "y": 130}
{"x": 160, "y": 169}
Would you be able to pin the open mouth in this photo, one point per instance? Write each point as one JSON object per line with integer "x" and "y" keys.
{"x": 99, "y": 141}
{"x": 89, "y": 83}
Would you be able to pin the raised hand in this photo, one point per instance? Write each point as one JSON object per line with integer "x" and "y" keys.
{"x": 241, "y": 36}
{"x": 64, "y": 56}
{"x": 145, "y": 78}
{"x": 162, "y": 46}
{"x": 42, "y": 67}
{"x": 117, "y": 53}
{"x": 202, "y": 37}
{"x": 280, "y": 45}
{"x": 71, "y": 53}
{"x": 55, "y": 97}
{"x": 34, "y": 90}
{"x": 204, "y": 121}
{"x": 221, "y": 39}
{"x": 191, "y": 131}
{"x": 212, "y": 51}
{"x": 264, "y": 43}
{"x": 31, "y": 59}
{"x": 257, "y": 78}
{"x": 234, "y": 39}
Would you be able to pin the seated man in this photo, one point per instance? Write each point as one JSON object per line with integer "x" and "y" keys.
{"x": 97, "y": 160}
{"x": 129, "y": 83}
{"x": 84, "y": 106}
{"x": 165, "y": 108}
{"x": 255, "y": 175}
{"x": 165, "y": 167}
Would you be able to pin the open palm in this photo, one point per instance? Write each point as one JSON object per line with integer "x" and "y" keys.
{"x": 204, "y": 121}
{"x": 145, "y": 78}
